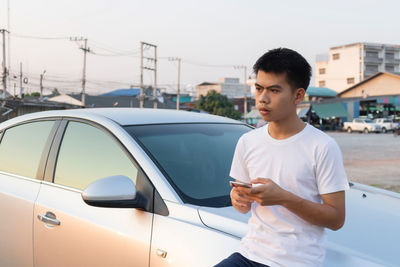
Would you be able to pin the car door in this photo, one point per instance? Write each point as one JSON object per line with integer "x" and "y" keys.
{"x": 23, "y": 150}
{"x": 358, "y": 125}
{"x": 69, "y": 232}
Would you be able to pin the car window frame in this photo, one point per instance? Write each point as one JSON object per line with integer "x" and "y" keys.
{"x": 157, "y": 204}
{"x": 46, "y": 149}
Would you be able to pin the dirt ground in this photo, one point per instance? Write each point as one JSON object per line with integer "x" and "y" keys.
{"x": 372, "y": 159}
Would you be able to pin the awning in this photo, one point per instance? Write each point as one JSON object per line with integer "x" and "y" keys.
{"x": 330, "y": 110}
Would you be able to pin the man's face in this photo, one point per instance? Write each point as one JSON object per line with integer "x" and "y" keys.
{"x": 275, "y": 98}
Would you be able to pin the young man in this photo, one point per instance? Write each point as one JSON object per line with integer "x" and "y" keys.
{"x": 296, "y": 170}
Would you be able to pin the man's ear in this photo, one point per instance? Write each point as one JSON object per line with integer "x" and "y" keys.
{"x": 299, "y": 95}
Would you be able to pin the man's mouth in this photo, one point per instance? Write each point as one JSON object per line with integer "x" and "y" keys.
{"x": 264, "y": 111}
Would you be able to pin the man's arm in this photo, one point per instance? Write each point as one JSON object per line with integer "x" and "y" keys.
{"x": 330, "y": 214}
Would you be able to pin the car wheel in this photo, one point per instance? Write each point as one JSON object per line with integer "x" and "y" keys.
{"x": 384, "y": 130}
{"x": 349, "y": 130}
{"x": 366, "y": 130}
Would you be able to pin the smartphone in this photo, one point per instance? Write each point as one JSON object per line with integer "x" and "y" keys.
{"x": 235, "y": 183}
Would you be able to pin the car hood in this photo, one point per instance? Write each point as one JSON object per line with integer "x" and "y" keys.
{"x": 369, "y": 237}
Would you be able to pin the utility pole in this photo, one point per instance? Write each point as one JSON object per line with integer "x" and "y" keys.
{"x": 155, "y": 79}
{"x": 244, "y": 88}
{"x": 179, "y": 79}
{"x": 41, "y": 85}
{"x": 8, "y": 42}
{"x": 141, "y": 76}
{"x": 21, "y": 89}
{"x": 4, "y": 76}
{"x": 85, "y": 49}
{"x": 152, "y": 67}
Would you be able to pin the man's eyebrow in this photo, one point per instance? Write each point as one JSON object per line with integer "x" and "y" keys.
{"x": 269, "y": 87}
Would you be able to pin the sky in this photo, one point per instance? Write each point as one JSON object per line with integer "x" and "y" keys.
{"x": 211, "y": 36}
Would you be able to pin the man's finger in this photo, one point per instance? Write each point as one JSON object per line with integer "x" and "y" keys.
{"x": 260, "y": 181}
{"x": 256, "y": 190}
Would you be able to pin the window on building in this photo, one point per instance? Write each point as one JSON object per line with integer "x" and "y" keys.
{"x": 350, "y": 80}
{"x": 322, "y": 71}
{"x": 371, "y": 68}
{"x": 389, "y": 55}
{"x": 389, "y": 68}
{"x": 321, "y": 83}
{"x": 336, "y": 56}
{"x": 371, "y": 54}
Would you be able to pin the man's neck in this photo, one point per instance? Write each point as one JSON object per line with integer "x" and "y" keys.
{"x": 283, "y": 129}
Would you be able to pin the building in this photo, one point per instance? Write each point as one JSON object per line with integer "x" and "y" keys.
{"x": 375, "y": 97}
{"x": 350, "y": 64}
{"x": 13, "y": 107}
{"x": 379, "y": 84}
{"x": 230, "y": 87}
{"x": 101, "y": 101}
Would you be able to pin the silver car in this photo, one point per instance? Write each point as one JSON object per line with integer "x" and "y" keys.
{"x": 143, "y": 187}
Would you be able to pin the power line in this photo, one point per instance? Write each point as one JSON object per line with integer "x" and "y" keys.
{"x": 38, "y": 37}
{"x": 115, "y": 50}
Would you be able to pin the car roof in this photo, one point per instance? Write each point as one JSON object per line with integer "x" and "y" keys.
{"x": 132, "y": 116}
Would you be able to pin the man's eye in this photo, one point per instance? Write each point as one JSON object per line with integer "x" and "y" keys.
{"x": 258, "y": 88}
{"x": 274, "y": 91}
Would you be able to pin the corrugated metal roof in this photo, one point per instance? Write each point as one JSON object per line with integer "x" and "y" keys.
{"x": 123, "y": 92}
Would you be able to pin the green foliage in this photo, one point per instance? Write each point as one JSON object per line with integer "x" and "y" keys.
{"x": 55, "y": 92}
{"x": 218, "y": 104}
{"x": 34, "y": 94}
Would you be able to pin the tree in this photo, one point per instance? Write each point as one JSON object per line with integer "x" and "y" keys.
{"x": 55, "y": 92}
{"x": 34, "y": 94}
{"x": 218, "y": 104}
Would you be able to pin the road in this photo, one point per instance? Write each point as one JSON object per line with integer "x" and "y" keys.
{"x": 372, "y": 159}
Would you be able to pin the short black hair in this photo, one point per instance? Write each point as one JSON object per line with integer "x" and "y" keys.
{"x": 284, "y": 60}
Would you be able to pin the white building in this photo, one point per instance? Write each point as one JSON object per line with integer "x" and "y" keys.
{"x": 350, "y": 64}
{"x": 230, "y": 87}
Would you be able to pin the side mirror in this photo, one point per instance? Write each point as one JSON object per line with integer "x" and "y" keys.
{"x": 114, "y": 192}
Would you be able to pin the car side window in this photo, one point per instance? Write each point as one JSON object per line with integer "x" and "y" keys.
{"x": 22, "y": 146}
{"x": 87, "y": 154}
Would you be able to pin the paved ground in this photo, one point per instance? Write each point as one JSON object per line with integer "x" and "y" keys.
{"x": 372, "y": 159}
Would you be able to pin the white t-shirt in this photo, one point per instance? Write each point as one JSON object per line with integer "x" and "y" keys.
{"x": 307, "y": 164}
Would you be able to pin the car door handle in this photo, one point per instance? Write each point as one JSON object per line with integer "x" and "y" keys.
{"x": 49, "y": 218}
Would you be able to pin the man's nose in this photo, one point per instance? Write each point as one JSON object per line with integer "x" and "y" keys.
{"x": 264, "y": 97}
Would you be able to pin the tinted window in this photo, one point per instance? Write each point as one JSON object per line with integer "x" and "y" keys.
{"x": 196, "y": 158}
{"x": 22, "y": 146}
{"x": 88, "y": 153}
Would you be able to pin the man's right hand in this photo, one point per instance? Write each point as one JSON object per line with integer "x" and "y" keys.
{"x": 240, "y": 200}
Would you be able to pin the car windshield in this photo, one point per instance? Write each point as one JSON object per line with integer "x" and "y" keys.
{"x": 369, "y": 121}
{"x": 196, "y": 158}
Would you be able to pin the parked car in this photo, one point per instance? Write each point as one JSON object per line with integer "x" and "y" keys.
{"x": 361, "y": 125}
{"x": 143, "y": 187}
{"x": 386, "y": 124}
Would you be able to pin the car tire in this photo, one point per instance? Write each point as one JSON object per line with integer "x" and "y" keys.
{"x": 384, "y": 130}
{"x": 366, "y": 130}
{"x": 349, "y": 130}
